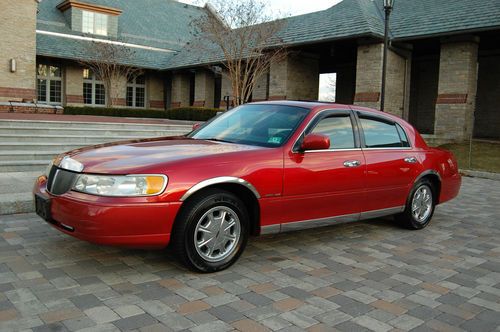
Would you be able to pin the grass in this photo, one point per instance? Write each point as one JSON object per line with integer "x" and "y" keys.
{"x": 485, "y": 155}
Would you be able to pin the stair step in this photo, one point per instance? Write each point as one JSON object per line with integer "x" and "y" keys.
{"x": 108, "y": 132}
{"x": 86, "y": 139}
{"x": 28, "y": 155}
{"x": 16, "y": 203}
{"x": 93, "y": 125}
{"x": 24, "y": 165}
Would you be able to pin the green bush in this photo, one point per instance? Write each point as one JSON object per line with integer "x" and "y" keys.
{"x": 183, "y": 113}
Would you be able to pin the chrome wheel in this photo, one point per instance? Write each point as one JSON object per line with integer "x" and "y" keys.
{"x": 217, "y": 234}
{"x": 421, "y": 206}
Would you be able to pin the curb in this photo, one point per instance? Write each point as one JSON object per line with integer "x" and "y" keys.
{"x": 480, "y": 174}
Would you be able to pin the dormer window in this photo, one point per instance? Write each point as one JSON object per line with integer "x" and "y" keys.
{"x": 94, "y": 23}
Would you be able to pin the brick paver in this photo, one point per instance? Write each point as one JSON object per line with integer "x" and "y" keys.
{"x": 356, "y": 277}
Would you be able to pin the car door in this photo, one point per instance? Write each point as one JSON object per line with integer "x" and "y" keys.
{"x": 325, "y": 183}
{"x": 391, "y": 163}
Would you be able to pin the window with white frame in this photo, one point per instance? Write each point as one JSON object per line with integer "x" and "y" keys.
{"x": 94, "y": 92}
{"x": 136, "y": 91}
{"x": 49, "y": 84}
{"x": 94, "y": 23}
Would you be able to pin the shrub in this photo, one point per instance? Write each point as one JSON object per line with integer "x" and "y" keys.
{"x": 183, "y": 113}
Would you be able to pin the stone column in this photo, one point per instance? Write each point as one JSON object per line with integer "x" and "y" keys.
{"x": 296, "y": 78}
{"x": 226, "y": 90}
{"x": 369, "y": 79}
{"x": 261, "y": 90}
{"x": 155, "y": 92}
{"x": 73, "y": 83}
{"x": 457, "y": 88}
{"x": 119, "y": 92}
{"x": 180, "y": 90}
{"x": 18, "y": 44}
{"x": 204, "y": 89}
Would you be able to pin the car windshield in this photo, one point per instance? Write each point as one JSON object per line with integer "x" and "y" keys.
{"x": 255, "y": 124}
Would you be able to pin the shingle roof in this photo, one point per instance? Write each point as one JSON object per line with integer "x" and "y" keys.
{"x": 165, "y": 24}
{"x": 160, "y": 24}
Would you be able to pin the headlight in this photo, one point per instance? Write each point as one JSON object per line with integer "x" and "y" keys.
{"x": 71, "y": 164}
{"x": 121, "y": 186}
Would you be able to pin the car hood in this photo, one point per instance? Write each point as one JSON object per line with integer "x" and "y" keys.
{"x": 142, "y": 156}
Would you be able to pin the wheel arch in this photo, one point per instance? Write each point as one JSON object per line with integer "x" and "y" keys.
{"x": 435, "y": 178}
{"x": 242, "y": 189}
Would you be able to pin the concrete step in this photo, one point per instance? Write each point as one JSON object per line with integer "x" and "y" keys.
{"x": 80, "y": 139}
{"x": 28, "y": 155}
{"x": 5, "y": 130}
{"x": 15, "y": 192}
{"x": 24, "y": 165}
{"x": 23, "y": 146}
{"x": 93, "y": 125}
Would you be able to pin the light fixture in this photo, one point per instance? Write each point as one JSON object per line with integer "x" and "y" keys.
{"x": 388, "y": 4}
{"x": 13, "y": 65}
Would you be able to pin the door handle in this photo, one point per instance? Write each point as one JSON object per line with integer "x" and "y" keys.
{"x": 351, "y": 163}
{"x": 411, "y": 160}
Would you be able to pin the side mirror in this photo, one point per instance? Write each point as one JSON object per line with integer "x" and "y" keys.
{"x": 196, "y": 126}
{"x": 315, "y": 142}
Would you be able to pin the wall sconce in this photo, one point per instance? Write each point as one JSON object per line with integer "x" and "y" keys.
{"x": 13, "y": 65}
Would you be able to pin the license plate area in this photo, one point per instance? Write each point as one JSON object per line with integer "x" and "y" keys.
{"x": 42, "y": 208}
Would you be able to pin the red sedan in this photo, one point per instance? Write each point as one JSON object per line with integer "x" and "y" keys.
{"x": 260, "y": 168}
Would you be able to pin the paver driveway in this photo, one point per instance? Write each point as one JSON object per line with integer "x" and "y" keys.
{"x": 370, "y": 275}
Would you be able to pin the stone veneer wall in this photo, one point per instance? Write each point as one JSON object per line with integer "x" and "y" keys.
{"x": 204, "y": 89}
{"x": 180, "y": 90}
{"x": 155, "y": 88}
{"x": 18, "y": 41}
{"x": 369, "y": 79}
{"x": 457, "y": 89}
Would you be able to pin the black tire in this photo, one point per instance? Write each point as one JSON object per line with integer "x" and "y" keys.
{"x": 408, "y": 219}
{"x": 195, "y": 216}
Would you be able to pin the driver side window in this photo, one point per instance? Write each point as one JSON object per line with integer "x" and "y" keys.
{"x": 339, "y": 129}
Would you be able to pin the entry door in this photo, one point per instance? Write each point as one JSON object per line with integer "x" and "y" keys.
{"x": 391, "y": 164}
{"x": 326, "y": 183}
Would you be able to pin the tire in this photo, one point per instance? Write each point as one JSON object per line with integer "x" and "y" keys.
{"x": 200, "y": 242}
{"x": 420, "y": 206}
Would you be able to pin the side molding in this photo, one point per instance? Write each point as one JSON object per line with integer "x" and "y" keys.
{"x": 219, "y": 180}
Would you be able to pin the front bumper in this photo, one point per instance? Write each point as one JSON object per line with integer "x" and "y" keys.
{"x": 131, "y": 222}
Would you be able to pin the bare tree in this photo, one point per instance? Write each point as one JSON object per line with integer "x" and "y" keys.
{"x": 110, "y": 63}
{"x": 244, "y": 37}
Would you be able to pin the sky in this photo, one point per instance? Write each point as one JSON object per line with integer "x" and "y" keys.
{"x": 298, "y": 7}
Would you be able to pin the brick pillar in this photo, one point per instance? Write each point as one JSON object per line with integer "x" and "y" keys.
{"x": 204, "y": 89}
{"x": 369, "y": 79}
{"x": 295, "y": 77}
{"x": 18, "y": 43}
{"x": 119, "y": 92}
{"x": 457, "y": 88}
{"x": 73, "y": 81}
{"x": 180, "y": 90}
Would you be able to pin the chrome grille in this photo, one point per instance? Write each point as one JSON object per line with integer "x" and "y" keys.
{"x": 60, "y": 181}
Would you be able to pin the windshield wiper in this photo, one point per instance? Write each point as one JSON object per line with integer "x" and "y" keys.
{"x": 217, "y": 140}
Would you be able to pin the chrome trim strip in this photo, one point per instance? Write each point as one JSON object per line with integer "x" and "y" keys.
{"x": 381, "y": 213}
{"x": 316, "y": 223}
{"x": 428, "y": 172}
{"x": 331, "y": 150}
{"x": 219, "y": 180}
{"x": 398, "y": 149}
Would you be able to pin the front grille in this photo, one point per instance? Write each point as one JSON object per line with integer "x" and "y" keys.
{"x": 60, "y": 181}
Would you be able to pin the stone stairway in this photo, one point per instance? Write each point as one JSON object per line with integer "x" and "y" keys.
{"x": 27, "y": 146}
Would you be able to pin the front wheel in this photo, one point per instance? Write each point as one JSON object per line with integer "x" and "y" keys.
{"x": 419, "y": 207}
{"x": 211, "y": 231}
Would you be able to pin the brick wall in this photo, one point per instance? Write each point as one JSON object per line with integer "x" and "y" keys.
{"x": 17, "y": 41}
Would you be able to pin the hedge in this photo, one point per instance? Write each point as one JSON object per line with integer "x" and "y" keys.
{"x": 183, "y": 113}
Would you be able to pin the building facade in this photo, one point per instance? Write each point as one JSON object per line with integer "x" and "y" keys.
{"x": 443, "y": 64}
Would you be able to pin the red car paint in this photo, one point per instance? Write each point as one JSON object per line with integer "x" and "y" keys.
{"x": 292, "y": 186}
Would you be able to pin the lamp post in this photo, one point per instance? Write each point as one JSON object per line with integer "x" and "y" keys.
{"x": 388, "y": 6}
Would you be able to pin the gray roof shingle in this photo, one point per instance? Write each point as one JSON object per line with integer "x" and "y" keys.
{"x": 166, "y": 24}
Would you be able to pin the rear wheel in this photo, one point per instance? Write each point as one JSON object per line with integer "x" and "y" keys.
{"x": 419, "y": 206}
{"x": 211, "y": 231}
